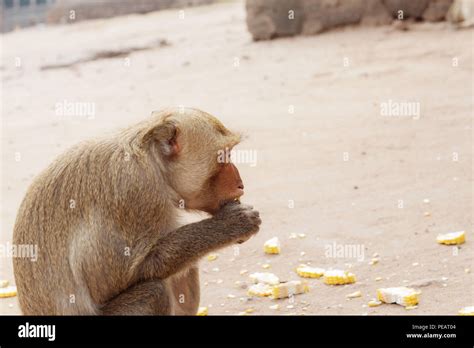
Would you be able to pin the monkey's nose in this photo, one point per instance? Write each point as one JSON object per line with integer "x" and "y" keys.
{"x": 241, "y": 186}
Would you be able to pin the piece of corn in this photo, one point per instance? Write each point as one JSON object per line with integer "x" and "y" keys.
{"x": 467, "y": 311}
{"x": 212, "y": 257}
{"x": 4, "y": 283}
{"x": 309, "y": 272}
{"x": 401, "y": 295}
{"x": 338, "y": 277}
{"x": 452, "y": 238}
{"x": 272, "y": 246}
{"x": 260, "y": 289}
{"x": 8, "y": 291}
{"x": 202, "y": 311}
{"x": 288, "y": 289}
{"x": 265, "y": 277}
{"x": 374, "y": 261}
{"x": 374, "y": 303}
{"x": 266, "y": 266}
{"x": 354, "y": 294}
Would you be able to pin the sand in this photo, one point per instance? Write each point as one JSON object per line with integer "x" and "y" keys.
{"x": 329, "y": 164}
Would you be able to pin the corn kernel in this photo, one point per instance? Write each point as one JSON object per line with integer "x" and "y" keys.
{"x": 309, "y": 272}
{"x": 452, "y": 238}
{"x": 288, "y": 289}
{"x": 4, "y": 283}
{"x": 272, "y": 246}
{"x": 211, "y": 257}
{"x": 467, "y": 311}
{"x": 265, "y": 277}
{"x": 8, "y": 291}
{"x": 354, "y": 294}
{"x": 374, "y": 303}
{"x": 401, "y": 295}
{"x": 374, "y": 261}
{"x": 202, "y": 311}
{"x": 260, "y": 289}
{"x": 338, "y": 277}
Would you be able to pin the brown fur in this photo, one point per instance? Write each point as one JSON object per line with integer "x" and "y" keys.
{"x": 120, "y": 249}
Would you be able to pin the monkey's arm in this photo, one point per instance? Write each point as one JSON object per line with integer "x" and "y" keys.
{"x": 185, "y": 245}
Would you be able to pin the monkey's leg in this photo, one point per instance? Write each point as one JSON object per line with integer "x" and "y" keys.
{"x": 147, "y": 298}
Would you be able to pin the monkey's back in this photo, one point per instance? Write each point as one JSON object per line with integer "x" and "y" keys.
{"x": 44, "y": 222}
{"x": 82, "y": 212}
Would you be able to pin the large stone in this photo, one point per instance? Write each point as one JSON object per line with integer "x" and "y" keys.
{"x": 437, "y": 10}
{"x": 462, "y": 12}
{"x": 320, "y": 15}
{"x": 267, "y": 19}
{"x": 375, "y": 13}
{"x": 410, "y": 8}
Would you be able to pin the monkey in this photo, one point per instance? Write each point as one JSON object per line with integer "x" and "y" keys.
{"x": 105, "y": 219}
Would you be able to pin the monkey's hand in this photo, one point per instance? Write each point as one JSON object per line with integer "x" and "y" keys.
{"x": 233, "y": 223}
{"x": 242, "y": 220}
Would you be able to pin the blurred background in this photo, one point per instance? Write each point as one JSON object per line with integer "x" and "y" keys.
{"x": 357, "y": 115}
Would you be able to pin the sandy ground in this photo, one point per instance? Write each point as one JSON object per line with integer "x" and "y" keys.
{"x": 302, "y": 182}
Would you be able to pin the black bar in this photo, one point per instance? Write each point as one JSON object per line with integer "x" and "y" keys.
{"x": 243, "y": 330}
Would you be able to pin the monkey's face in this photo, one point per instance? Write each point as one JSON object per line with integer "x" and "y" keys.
{"x": 196, "y": 149}
{"x": 222, "y": 183}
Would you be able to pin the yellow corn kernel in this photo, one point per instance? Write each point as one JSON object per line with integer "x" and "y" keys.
{"x": 401, "y": 295}
{"x": 265, "y": 277}
{"x": 8, "y": 291}
{"x": 374, "y": 261}
{"x": 467, "y": 311}
{"x": 374, "y": 303}
{"x": 309, "y": 272}
{"x": 260, "y": 289}
{"x": 452, "y": 238}
{"x": 354, "y": 294}
{"x": 211, "y": 257}
{"x": 202, "y": 311}
{"x": 338, "y": 277}
{"x": 288, "y": 289}
{"x": 272, "y": 246}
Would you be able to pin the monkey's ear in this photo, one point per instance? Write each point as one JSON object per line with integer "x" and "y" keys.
{"x": 166, "y": 135}
{"x": 169, "y": 141}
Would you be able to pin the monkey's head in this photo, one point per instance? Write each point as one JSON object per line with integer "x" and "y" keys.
{"x": 194, "y": 154}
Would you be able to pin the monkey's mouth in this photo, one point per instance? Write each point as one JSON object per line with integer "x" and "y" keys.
{"x": 231, "y": 200}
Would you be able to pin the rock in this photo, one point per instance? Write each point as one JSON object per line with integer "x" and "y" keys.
{"x": 437, "y": 10}
{"x": 375, "y": 13}
{"x": 320, "y": 15}
{"x": 410, "y": 8}
{"x": 267, "y": 19}
{"x": 461, "y": 11}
